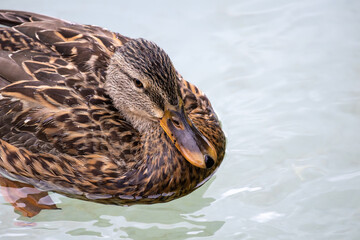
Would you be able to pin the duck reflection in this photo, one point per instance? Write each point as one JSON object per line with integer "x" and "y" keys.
{"x": 26, "y": 199}
{"x": 179, "y": 219}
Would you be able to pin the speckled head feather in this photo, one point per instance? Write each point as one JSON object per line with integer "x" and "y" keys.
{"x": 140, "y": 61}
{"x": 152, "y": 61}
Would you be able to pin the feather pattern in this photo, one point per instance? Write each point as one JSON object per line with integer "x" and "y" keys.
{"x": 60, "y": 131}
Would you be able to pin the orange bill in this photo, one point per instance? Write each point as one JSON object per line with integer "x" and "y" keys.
{"x": 193, "y": 146}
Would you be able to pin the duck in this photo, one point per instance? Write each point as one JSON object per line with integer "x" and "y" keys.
{"x": 95, "y": 115}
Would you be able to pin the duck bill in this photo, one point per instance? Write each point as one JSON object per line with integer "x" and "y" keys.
{"x": 192, "y": 144}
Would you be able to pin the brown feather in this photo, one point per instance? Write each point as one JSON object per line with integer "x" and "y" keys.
{"x": 60, "y": 131}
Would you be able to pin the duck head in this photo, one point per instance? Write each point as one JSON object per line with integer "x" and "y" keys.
{"x": 144, "y": 87}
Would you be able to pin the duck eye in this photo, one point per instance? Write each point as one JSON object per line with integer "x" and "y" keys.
{"x": 138, "y": 83}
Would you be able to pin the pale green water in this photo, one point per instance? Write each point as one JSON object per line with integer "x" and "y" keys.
{"x": 284, "y": 77}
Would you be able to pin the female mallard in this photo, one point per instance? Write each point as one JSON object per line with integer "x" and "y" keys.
{"x": 93, "y": 114}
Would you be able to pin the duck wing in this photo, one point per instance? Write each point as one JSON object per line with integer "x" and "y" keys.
{"x": 87, "y": 47}
{"x": 54, "y": 111}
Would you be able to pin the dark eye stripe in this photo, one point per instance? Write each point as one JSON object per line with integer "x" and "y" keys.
{"x": 136, "y": 81}
{"x": 125, "y": 73}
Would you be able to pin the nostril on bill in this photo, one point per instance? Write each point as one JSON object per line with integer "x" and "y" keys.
{"x": 209, "y": 162}
{"x": 176, "y": 123}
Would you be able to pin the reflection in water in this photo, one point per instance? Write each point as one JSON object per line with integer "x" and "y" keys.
{"x": 179, "y": 219}
{"x": 169, "y": 232}
{"x": 26, "y": 199}
{"x": 178, "y": 222}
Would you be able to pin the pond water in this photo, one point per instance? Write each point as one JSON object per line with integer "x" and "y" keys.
{"x": 284, "y": 78}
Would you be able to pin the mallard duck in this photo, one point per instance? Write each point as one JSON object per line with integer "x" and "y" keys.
{"x": 93, "y": 114}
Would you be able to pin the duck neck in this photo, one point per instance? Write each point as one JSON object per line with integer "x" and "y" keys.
{"x": 164, "y": 170}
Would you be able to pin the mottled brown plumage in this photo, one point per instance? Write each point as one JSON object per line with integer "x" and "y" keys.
{"x": 82, "y": 113}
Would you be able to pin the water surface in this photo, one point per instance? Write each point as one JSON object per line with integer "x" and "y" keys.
{"x": 284, "y": 78}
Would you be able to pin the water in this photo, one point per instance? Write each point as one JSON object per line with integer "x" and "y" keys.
{"x": 283, "y": 77}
